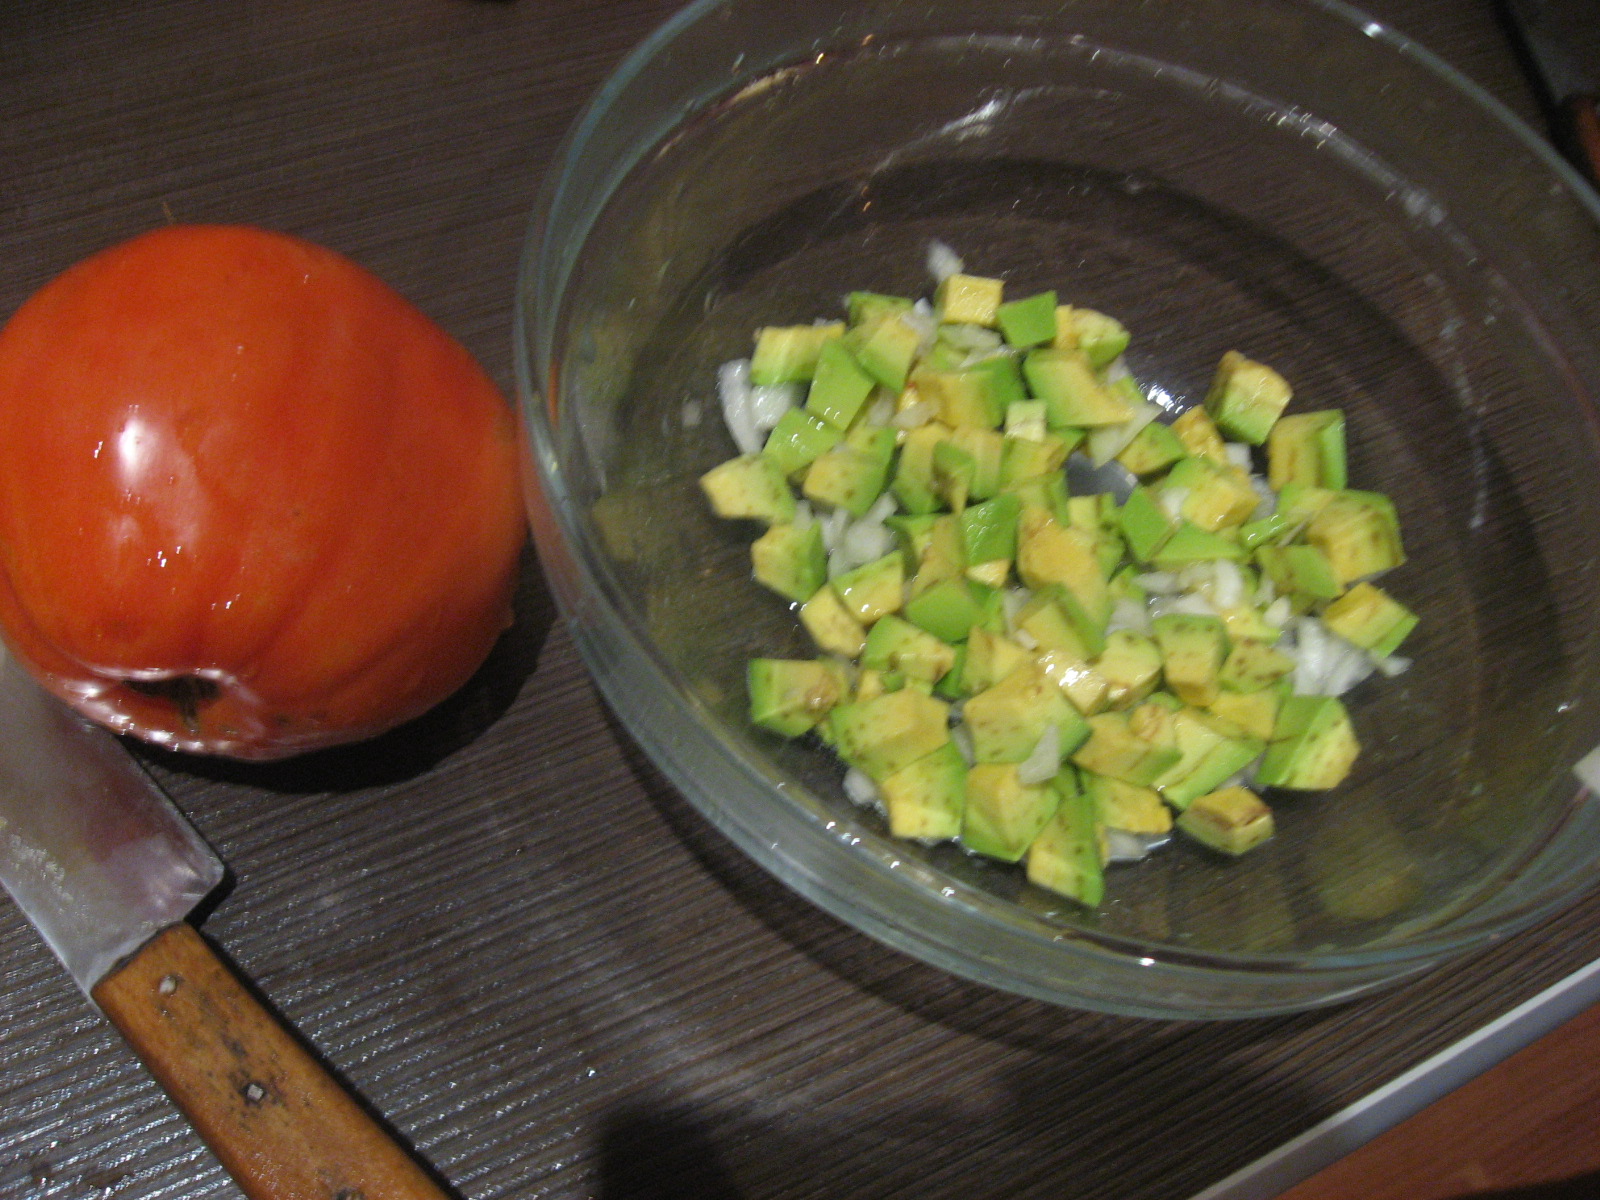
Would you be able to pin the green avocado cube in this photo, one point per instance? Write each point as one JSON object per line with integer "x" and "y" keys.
{"x": 926, "y": 799}
{"x": 752, "y": 487}
{"x": 1371, "y": 618}
{"x": 1313, "y": 746}
{"x": 790, "y": 696}
{"x": 1073, "y": 396}
{"x": 1267, "y": 530}
{"x": 1208, "y": 755}
{"x": 962, "y": 299}
{"x": 961, "y": 397}
{"x": 991, "y": 657}
{"x": 1307, "y": 448}
{"x": 1114, "y": 749}
{"x": 872, "y": 590}
{"x": 1025, "y": 420}
{"x": 1199, "y": 435}
{"x": 954, "y": 470}
{"x": 1190, "y": 544}
{"x": 913, "y": 483}
{"x": 839, "y": 387}
{"x": 890, "y": 731}
{"x": 863, "y": 308}
{"x": 1192, "y": 651}
{"x": 1101, "y": 338}
{"x": 1025, "y": 458}
{"x": 1210, "y": 495}
{"x": 1360, "y": 534}
{"x": 1251, "y": 666}
{"x": 1251, "y": 713}
{"x": 942, "y": 557}
{"x": 1030, "y": 322}
{"x": 1064, "y": 856}
{"x": 895, "y": 644}
{"x": 989, "y": 530}
{"x": 1007, "y": 720}
{"x": 885, "y": 349}
{"x": 951, "y": 607}
{"x": 790, "y": 560}
{"x": 798, "y": 439}
{"x": 1246, "y": 398}
{"x": 1233, "y": 820}
{"x": 1127, "y": 806}
{"x": 913, "y": 532}
{"x": 985, "y": 447}
{"x": 1152, "y": 450}
{"x": 1299, "y": 503}
{"x": 1300, "y": 571}
{"x": 831, "y": 625}
{"x": 1146, "y": 525}
{"x": 788, "y": 353}
{"x": 1003, "y": 814}
{"x": 1131, "y": 666}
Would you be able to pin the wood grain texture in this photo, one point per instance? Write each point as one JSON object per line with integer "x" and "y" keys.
{"x": 274, "y": 1117}
{"x": 502, "y": 925}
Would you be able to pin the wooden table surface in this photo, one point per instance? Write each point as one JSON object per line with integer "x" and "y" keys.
{"x": 503, "y": 927}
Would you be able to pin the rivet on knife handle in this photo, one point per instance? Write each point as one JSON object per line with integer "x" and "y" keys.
{"x": 269, "y": 1111}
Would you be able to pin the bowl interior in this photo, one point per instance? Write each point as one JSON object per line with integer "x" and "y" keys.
{"x": 1209, "y": 210}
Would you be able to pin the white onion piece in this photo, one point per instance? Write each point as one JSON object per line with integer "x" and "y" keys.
{"x": 1011, "y": 602}
{"x": 882, "y": 410}
{"x": 1171, "y": 500}
{"x": 972, "y": 338}
{"x": 1238, "y": 454}
{"x": 859, "y": 787}
{"x": 1129, "y": 614}
{"x": 1117, "y": 369}
{"x": 691, "y": 414}
{"x": 803, "y": 516}
{"x": 1160, "y": 583}
{"x": 1228, "y": 588}
{"x": 943, "y": 262}
{"x": 733, "y": 390}
{"x": 864, "y": 542}
{"x": 962, "y": 737}
{"x": 1044, "y": 761}
{"x": 1266, "y": 498}
{"x": 833, "y": 527}
{"x": 920, "y": 316}
{"x": 1107, "y": 441}
{"x": 914, "y": 415}
{"x": 1395, "y": 664}
{"x": 1193, "y": 604}
{"x": 884, "y": 507}
{"x": 1024, "y": 639}
{"x": 1123, "y": 846}
{"x": 768, "y": 403}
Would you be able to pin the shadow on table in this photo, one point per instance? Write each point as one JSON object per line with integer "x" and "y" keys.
{"x": 1582, "y": 1187}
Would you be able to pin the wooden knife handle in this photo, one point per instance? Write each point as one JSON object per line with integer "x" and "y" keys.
{"x": 269, "y": 1111}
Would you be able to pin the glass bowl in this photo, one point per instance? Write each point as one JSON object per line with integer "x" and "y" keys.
{"x": 1290, "y": 179}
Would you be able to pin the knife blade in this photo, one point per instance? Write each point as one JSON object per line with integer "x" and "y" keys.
{"x": 1553, "y": 35}
{"x": 108, "y": 870}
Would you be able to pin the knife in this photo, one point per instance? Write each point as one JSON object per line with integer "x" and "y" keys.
{"x": 108, "y": 871}
{"x": 1550, "y": 34}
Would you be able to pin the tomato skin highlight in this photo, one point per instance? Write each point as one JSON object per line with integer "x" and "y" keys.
{"x": 238, "y": 462}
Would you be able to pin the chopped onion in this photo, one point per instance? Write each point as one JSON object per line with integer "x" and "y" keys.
{"x": 1129, "y": 614}
{"x": 1391, "y": 666}
{"x": 1192, "y": 604}
{"x": 691, "y": 414}
{"x": 1107, "y": 441}
{"x": 1238, "y": 454}
{"x": 943, "y": 262}
{"x": 768, "y": 403}
{"x": 1278, "y": 612}
{"x": 863, "y": 542}
{"x": 1011, "y": 603}
{"x": 803, "y": 516}
{"x": 972, "y": 338}
{"x": 733, "y": 390}
{"x": 882, "y": 410}
{"x": 1161, "y": 583}
{"x": 1124, "y": 846}
{"x": 859, "y": 787}
{"x": 1171, "y": 500}
{"x": 1025, "y": 639}
{"x": 1044, "y": 761}
{"x": 962, "y": 737}
{"x": 884, "y": 507}
{"x": 914, "y": 415}
{"x": 1228, "y": 589}
{"x": 920, "y": 316}
{"x": 1266, "y": 498}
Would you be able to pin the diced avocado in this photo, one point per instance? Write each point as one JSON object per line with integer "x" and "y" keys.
{"x": 1066, "y": 382}
{"x": 913, "y": 474}
{"x": 865, "y": 307}
{"x": 1245, "y": 622}
{"x": 872, "y": 590}
{"x": 985, "y": 447}
{"x": 912, "y": 531}
{"x": 790, "y": 560}
{"x": 1066, "y": 332}
{"x": 1232, "y": 820}
{"x": 926, "y": 799}
{"x": 1065, "y": 854}
{"x": 942, "y": 557}
{"x": 1051, "y": 553}
{"x": 1266, "y": 531}
{"x": 1056, "y": 619}
{"x": 831, "y": 625}
{"x": 885, "y": 349}
{"x": 1152, "y": 450}
{"x": 1101, "y": 338}
{"x": 839, "y": 387}
{"x": 798, "y": 439}
{"x": 751, "y": 486}
{"x": 1025, "y": 419}
{"x": 1106, "y": 442}
{"x": 968, "y": 300}
{"x": 1003, "y": 814}
{"x": 1191, "y": 544}
{"x": 1208, "y": 756}
{"x": 1199, "y": 435}
{"x": 1359, "y": 533}
{"x": 992, "y": 574}
{"x": 1251, "y": 666}
{"x": 789, "y": 696}
{"x": 950, "y": 608}
{"x": 1025, "y": 458}
{"x": 1371, "y": 618}
{"x": 1127, "y": 806}
{"x": 850, "y": 476}
{"x": 1298, "y": 503}
{"x": 1312, "y": 747}
{"x": 1030, "y": 322}
{"x": 1300, "y": 570}
{"x": 953, "y": 472}
{"x": 1252, "y": 713}
{"x": 1192, "y": 651}
{"x": 1131, "y": 667}
{"x": 1045, "y": 493}
{"x": 1246, "y": 398}
{"x": 895, "y": 644}
{"x": 1146, "y": 525}
{"x": 1002, "y": 384}
{"x": 991, "y": 657}
{"x": 953, "y": 685}
{"x": 989, "y": 530}
{"x": 888, "y": 732}
{"x": 788, "y": 353}
{"x": 1114, "y": 749}
{"x": 962, "y": 397}
{"x": 1212, "y": 496}
{"x": 1007, "y": 720}
{"x": 1307, "y": 448}
{"x": 1079, "y": 680}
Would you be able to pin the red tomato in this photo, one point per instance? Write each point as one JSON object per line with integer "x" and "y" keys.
{"x": 252, "y": 501}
